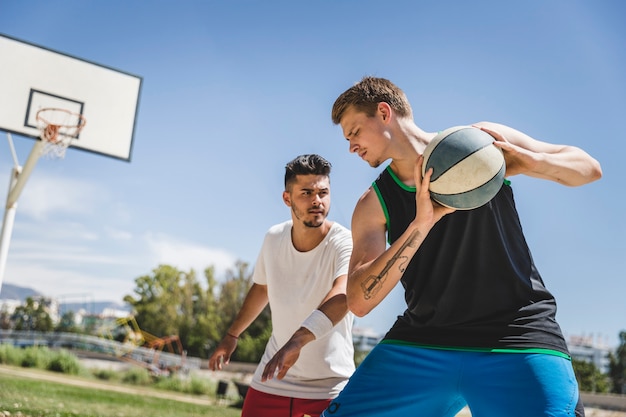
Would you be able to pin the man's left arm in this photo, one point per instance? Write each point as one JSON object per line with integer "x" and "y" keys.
{"x": 321, "y": 321}
{"x": 564, "y": 164}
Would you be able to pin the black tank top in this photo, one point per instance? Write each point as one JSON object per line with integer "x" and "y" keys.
{"x": 473, "y": 283}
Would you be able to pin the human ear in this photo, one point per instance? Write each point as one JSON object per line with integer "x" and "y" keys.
{"x": 384, "y": 109}
{"x": 287, "y": 198}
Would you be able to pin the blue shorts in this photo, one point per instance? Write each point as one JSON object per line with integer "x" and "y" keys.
{"x": 405, "y": 380}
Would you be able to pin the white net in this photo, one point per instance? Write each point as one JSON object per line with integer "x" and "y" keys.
{"x": 58, "y": 128}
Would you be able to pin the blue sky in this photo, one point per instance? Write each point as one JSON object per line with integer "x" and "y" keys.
{"x": 233, "y": 90}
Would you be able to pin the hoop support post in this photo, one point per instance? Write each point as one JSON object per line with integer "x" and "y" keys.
{"x": 33, "y": 157}
{"x": 7, "y": 226}
{"x": 18, "y": 179}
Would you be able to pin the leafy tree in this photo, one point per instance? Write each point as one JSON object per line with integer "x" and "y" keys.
{"x": 67, "y": 323}
{"x": 33, "y": 316}
{"x": 250, "y": 348}
{"x": 359, "y": 355}
{"x": 5, "y": 318}
{"x": 158, "y": 301}
{"x": 205, "y": 330}
{"x": 617, "y": 366}
{"x": 195, "y": 320}
{"x": 589, "y": 377}
{"x": 232, "y": 295}
{"x": 172, "y": 302}
{"x": 212, "y": 317}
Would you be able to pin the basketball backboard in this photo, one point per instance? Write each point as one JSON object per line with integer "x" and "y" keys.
{"x": 33, "y": 77}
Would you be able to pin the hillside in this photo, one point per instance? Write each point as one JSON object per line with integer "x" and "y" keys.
{"x": 14, "y": 292}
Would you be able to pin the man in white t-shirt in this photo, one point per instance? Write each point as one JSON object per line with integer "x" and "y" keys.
{"x": 301, "y": 272}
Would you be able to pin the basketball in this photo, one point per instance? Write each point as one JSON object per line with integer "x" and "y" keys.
{"x": 468, "y": 169}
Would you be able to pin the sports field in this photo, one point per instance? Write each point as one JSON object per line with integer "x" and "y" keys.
{"x": 30, "y": 392}
{"x": 39, "y": 393}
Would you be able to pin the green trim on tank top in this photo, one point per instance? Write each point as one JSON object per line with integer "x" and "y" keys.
{"x": 382, "y": 203}
{"x": 397, "y": 180}
{"x": 473, "y": 349}
{"x": 404, "y": 187}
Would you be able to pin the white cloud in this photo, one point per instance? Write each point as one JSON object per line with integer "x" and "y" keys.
{"x": 43, "y": 195}
{"x": 52, "y": 231}
{"x": 65, "y": 268}
{"x": 188, "y": 255}
{"x": 59, "y": 282}
{"x": 117, "y": 234}
{"x": 62, "y": 254}
{"x": 63, "y": 243}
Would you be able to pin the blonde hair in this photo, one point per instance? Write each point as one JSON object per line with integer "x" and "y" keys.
{"x": 365, "y": 95}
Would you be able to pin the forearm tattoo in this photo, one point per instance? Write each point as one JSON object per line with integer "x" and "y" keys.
{"x": 374, "y": 283}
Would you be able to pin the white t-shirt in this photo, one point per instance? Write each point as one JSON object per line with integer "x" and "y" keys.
{"x": 297, "y": 282}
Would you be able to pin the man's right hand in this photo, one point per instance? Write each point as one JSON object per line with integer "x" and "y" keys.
{"x": 428, "y": 211}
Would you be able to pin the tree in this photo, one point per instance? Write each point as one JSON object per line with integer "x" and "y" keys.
{"x": 197, "y": 314}
{"x": 232, "y": 294}
{"x": 67, "y": 323}
{"x": 172, "y": 302}
{"x": 589, "y": 377}
{"x": 5, "y": 318}
{"x": 33, "y": 316}
{"x": 157, "y": 306}
{"x": 617, "y": 366}
{"x": 205, "y": 333}
{"x": 212, "y": 318}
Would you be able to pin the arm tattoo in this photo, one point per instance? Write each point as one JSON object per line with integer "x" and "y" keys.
{"x": 373, "y": 283}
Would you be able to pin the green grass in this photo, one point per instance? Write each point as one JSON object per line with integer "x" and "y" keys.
{"x": 35, "y": 398}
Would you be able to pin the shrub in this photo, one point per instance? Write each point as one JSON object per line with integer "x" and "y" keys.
{"x": 170, "y": 384}
{"x": 35, "y": 357}
{"x": 195, "y": 386}
{"x": 137, "y": 376}
{"x": 105, "y": 374}
{"x": 10, "y": 355}
{"x": 64, "y": 362}
{"x": 198, "y": 386}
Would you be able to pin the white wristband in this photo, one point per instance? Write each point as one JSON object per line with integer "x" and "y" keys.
{"x": 318, "y": 323}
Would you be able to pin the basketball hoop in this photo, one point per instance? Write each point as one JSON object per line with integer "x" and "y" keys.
{"x": 58, "y": 127}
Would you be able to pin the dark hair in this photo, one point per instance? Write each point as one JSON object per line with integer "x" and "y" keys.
{"x": 365, "y": 95}
{"x": 310, "y": 164}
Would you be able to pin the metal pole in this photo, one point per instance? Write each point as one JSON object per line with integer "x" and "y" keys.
{"x": 18, "y": 179}
{"x": 33, "y": 157}
{"x": 7, "y": 225}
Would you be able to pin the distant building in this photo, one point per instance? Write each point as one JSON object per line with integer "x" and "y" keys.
{"x": 114, "y": 312}
{"x": 51, "y": 307}
{"x": 9, "y": 306}
{"x": 585, "y": 348}
{"x": 364, "y": 338}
